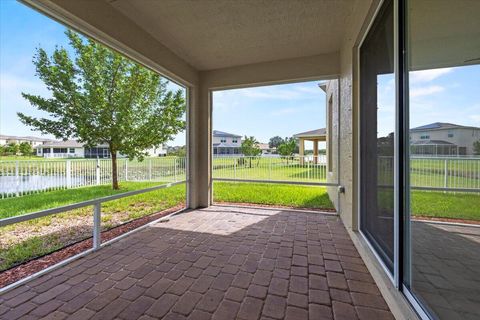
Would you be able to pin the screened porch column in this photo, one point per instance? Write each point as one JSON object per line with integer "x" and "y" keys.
{"x": 200, "y": 147}
{"x": 301, "y": 150}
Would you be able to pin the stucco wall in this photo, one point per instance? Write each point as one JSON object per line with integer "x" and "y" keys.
{"x": 332, "y": 106}
{"x": 347, "y": 134}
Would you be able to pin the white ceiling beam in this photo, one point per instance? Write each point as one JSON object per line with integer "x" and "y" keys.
{"x": 318, "y": 67}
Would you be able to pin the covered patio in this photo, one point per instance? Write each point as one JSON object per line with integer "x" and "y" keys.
{"x": 221, "y": 262}
{"x": 251, "y": 263}
{"x": 316, "y": 136}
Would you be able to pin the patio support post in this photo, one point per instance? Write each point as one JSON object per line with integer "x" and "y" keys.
{"x": 301, "y": 150}
{"x": 315, "y": 151}
{"x": 199, "y": 146}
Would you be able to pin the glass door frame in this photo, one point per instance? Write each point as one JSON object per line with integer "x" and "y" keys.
{"x": 401, "y": 155}
{"x": 394, "y": 277}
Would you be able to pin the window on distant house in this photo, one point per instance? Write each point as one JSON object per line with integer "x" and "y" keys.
{"x": 450, "y": 134}
{"x": 234, "y": 140}
{"x": 72, "y": 150}
{"x": 223, "y": 140}
{"x": 424, "y": 136}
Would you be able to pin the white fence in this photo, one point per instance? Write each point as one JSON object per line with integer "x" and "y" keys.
{"x": 436, "y": 173}
{"x": 308, "y": 170}
{"x": 19, "y": 178}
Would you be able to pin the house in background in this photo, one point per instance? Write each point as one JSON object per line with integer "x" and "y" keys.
{"x": 75, "y": 149}
{"x": 226, "y": 143}
{"x": 316, "y": 136}
{"x": 70, "y": 149}
{"x": 266, "y": 150}
{"x": 442, "y": 138}
{"x": 33, "y": 141}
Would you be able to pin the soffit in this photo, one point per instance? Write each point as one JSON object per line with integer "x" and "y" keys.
{"x": 218, "y": 34}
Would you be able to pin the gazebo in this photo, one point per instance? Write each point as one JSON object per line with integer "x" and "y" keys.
{"x": 313, "y": 135}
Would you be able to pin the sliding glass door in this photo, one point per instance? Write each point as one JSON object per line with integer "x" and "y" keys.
{"x": 377, "y": 127}
{"x": 419, "y": 153}
{"x": 442, "y": 253}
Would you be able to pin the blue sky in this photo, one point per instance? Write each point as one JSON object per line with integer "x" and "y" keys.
{"x": 445, "y": 95}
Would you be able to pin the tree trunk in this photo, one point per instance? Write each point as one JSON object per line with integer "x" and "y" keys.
{"x": 114, "y": 171}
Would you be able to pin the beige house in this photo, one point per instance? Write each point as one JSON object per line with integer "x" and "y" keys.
{"x": 224, "y": 143}
{"x": 371, "y": 260}
{"x": 33, "y": 141}
{"x": 441, "y": 138}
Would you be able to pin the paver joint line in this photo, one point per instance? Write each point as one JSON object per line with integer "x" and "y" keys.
{"x": 215, "y": 263}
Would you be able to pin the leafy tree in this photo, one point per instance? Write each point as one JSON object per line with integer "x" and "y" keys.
{"x": 287, "y": 149}
{"x": 250, "y": 148}
{"x": 476, "y": 147}
{"x": 100, "y": 96}
{"x": 25, "y": 148}
{"x": 2, "y": 150}
{"x": 275, "y": 142}
{"x": 178, "y": 151}
{"x": 11, "y": 148}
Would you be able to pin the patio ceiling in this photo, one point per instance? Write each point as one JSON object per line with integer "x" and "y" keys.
{"x": 282, "y": 40}
{"x": 218, "y": 34}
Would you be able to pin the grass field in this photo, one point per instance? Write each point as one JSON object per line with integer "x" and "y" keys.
{"x": 446, "y": 205}
{"x": 24, "y": 241}
{"x": 9, "y": 158}
{"x": 272, "y": 194}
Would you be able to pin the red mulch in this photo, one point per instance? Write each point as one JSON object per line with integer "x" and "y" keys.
{"x": 33, "y": 266}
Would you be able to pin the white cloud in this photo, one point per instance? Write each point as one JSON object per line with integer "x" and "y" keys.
{"x": 428, "y": 75}
{"x": 425, "y": 91}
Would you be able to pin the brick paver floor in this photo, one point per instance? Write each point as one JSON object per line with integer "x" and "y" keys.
{"x": 215, "y": 263}
{"x": 446, "y": 268}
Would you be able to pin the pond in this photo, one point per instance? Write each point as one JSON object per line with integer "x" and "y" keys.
{"x": 29, "y": 183}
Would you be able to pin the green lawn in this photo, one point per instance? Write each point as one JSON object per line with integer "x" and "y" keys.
{"x": 24, "y": 241}
{"x": 446, "y": 205}
{"x": 268, "y": 169}
{"x": 9, "y": 158}
{"x": 15, "y": 206}
{"x": 274, "y": 194}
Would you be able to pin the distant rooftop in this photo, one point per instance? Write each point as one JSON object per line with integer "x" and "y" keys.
{"x": 311, "y": 133}
{"x": 440, "y": 125}
{"x": 431, "y": 143}
{"x": 66, "y": 144}
{"x": 217, "y": 133}
{"x": 63, "y": 144}
{"x": 29, "y": 138}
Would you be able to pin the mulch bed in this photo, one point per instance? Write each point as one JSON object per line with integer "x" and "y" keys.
{"x": 38, "y": 264}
